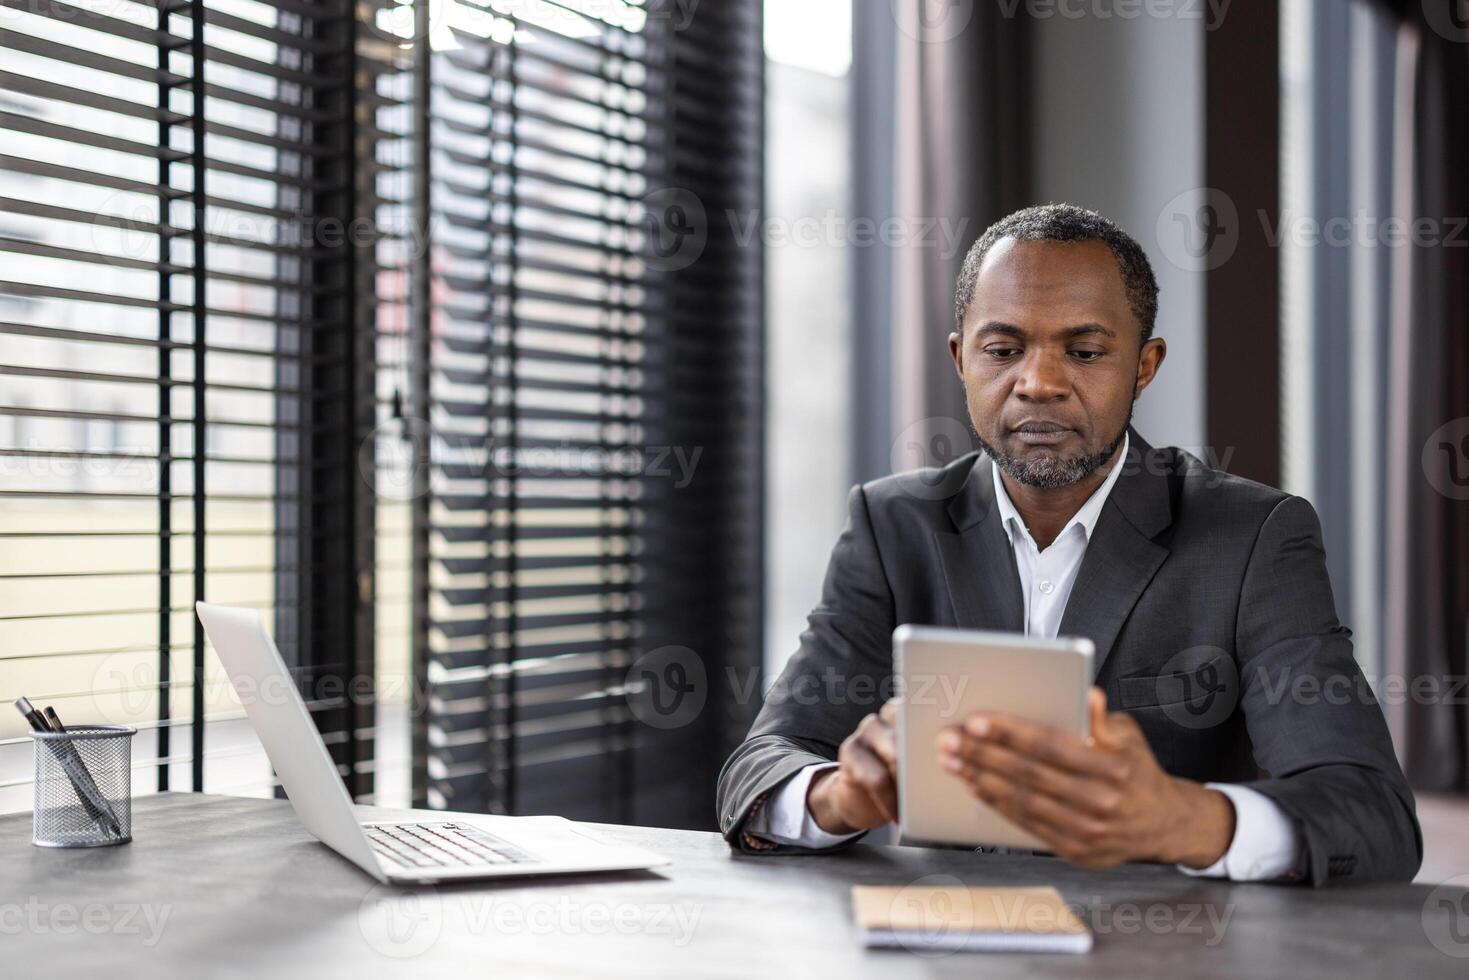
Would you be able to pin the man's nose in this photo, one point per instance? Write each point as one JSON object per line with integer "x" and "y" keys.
{"x": 1042, "y": 377}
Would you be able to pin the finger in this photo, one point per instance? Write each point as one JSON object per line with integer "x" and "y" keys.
{"x": 870, "y": 775}
{"x": 1089, "y": 795}
{"x": 889, "y": 712}
{"x": 1043, "y": 743}
{"x": 1110, "y": 729}
{"x": 1062, "y": 827}
{"x": 1096, "y": 711}
{"x": 881, "y": 738}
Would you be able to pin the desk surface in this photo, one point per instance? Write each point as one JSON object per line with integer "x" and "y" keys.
{"x": 217, "y": 886}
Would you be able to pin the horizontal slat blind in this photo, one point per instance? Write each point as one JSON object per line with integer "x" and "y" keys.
{"x": 574, "y": 364}
{"x": 176, "y": 365}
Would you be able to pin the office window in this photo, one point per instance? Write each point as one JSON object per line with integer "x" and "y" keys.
{"x": 178, "y": 368}
{"x": 229, "y": 324}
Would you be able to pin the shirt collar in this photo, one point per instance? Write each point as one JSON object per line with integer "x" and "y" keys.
{"x": 1086, "y": 516}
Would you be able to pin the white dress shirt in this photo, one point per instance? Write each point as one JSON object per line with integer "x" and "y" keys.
{"x": 1266, "y": 844}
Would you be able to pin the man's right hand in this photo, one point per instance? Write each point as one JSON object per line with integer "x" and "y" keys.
{"x": 862, "y": 791}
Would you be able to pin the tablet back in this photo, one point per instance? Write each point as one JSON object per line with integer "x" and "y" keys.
{"x": 944, "y": 675}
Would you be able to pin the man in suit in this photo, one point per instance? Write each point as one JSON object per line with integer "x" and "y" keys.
{"x": 1232, "y": 733}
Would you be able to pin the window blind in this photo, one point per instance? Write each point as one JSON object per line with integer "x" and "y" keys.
{"x": 587, "y": 355}
{"x": 446, "y": 356}
{"x": 183, "y": 385}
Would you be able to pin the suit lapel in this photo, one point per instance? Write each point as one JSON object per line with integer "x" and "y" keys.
{"x": 979, "y": 564}
{"x": 1122, "y": 556}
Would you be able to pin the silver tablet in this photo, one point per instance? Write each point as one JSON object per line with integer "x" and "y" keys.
{"x": 946, "y": 674}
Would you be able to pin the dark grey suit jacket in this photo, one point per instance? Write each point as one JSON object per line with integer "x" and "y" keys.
{"x": 1207, "y": 598}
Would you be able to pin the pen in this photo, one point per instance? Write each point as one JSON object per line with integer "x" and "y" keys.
{"x": 38, "y": 722}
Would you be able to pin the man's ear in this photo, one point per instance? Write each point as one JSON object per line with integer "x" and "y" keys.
{"x": 956, "y": 351}
{"x": 1148, "y": 362}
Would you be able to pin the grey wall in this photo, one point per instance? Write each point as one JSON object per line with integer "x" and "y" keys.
{"x": 1118, "y": 127}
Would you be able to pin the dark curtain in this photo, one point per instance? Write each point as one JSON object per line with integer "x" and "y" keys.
{"x": 1428, "y": 504}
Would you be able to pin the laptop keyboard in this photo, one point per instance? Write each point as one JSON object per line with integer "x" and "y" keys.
{"x": 442, "y": 845}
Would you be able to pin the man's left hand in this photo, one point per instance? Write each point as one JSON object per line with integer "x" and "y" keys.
{"x": 1095, "y": 802}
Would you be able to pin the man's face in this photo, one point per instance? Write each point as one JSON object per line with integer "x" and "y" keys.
{"x": 1050, "y": 359}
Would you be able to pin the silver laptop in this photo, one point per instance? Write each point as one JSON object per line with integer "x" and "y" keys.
{"x": 449, "y": 847}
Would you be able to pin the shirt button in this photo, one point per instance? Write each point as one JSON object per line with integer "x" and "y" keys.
{"x": 1046, "y": 587}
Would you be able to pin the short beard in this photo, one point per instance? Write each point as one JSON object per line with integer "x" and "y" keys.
{"x": 1053, "y": 472}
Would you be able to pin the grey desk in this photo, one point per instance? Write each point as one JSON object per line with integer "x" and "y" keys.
{"x": 227, "y": 887}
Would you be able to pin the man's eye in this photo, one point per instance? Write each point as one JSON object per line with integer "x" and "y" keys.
{"x": 1087, "y": 355}
{"x": 1001, "y": 352}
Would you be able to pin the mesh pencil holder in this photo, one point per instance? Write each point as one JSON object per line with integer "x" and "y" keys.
{"x": 84, "y": 786}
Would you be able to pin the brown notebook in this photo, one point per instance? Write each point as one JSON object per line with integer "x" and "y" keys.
{"x": 946, "y": 919}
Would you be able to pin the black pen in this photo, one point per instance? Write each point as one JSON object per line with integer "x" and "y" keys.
{"x": 37, "y": 720}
